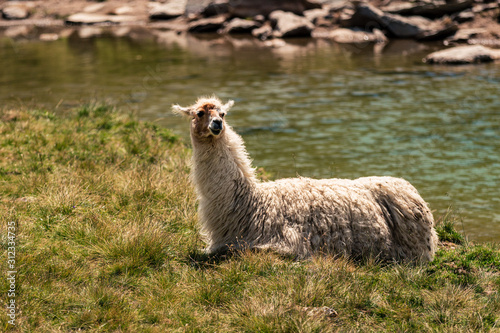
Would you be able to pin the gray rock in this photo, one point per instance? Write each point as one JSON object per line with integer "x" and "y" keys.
{"x": 419, "y": 27}
{"x": 470, "y": 54}
{"x": 433, "y": 9}
{"x": 238, "y": 26}
{"x": 399, "y": 26}
{"x": 251, "y": 8}
{"x": 15, "y": 12}
{"x": 210, "y": 24}
{"x": 287, "y": 24}
{"x": 167, "y": 11}
{"x": 352, "y": 36}
{"x": 264, "y": 32}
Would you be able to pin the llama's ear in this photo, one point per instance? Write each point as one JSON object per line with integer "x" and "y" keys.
{"x": 177, "y": 109}
{"x": 227, "y": 106}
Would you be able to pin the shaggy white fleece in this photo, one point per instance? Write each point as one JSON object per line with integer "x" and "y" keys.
{"x": 383, "y": 217}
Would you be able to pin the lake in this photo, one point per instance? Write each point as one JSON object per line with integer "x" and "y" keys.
{"x": 309, "y": 107}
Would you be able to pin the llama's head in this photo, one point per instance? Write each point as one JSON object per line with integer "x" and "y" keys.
{"x": 207, "y": 116}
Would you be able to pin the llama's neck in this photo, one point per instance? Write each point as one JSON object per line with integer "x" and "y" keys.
{"x": 221, "y": 167}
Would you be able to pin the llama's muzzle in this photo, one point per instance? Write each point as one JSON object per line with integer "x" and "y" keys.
{"x": 216, "y": 126}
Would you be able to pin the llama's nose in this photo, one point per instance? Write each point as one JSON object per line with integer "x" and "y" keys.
{"x": 216, "y": 125}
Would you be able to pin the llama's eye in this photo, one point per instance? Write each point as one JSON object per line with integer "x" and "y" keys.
{"x": 200, "y": 113}
{"x": 222, "y": 114}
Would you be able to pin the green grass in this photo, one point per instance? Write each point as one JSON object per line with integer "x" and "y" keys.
{"x": 107, "y": 241}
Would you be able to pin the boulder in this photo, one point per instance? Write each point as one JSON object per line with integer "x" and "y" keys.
{"x": 238, "y": 26}
{"x": 463, "y": 36}
{"x": 437, "y": 31}
{"x": 167, "y": 11}
{"x": 122, "y": 10}
{"x": 90, "y": 19}
{"x": 314, "y": 14}
{"x": 485, "y": 7}
{"x": 264, "y": 32}
{"x": 210, "y": 24}
{"x": 287, "y": 24}
{"x": 215, "y": 8}
{"x": 351, "y": 35}
{"x": 397, "y": 25}
{"x": 94, "y": 8}
{"x": 470, "y": 54}
{"x": 15, "y": 12}
{"x": 366, "y": 15}
{"x": 466, "y": 15}
{"x": 432, "y": 9}
{"x": 250, "y": 8}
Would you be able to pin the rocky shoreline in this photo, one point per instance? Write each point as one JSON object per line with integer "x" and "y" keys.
{"x": 471, "y": 26}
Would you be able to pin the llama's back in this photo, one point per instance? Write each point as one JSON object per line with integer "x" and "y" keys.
{"x": 381, "y": 216}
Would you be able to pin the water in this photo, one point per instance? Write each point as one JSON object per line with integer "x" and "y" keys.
{"x": 310, "y": 108}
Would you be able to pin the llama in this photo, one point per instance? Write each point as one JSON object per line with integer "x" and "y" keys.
{"x": 384, "y": 217}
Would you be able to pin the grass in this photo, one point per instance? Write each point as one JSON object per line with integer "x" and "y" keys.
{"x": 107, "y": 240}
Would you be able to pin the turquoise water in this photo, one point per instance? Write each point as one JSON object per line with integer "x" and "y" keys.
{"x": 310, "y": 108}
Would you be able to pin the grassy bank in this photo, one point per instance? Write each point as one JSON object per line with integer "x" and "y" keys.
{"x": 106, "y": 240}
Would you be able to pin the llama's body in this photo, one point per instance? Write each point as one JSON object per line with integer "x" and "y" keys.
{"x": 379, "y": 216}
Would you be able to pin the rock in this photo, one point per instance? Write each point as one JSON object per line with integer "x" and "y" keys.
{"x": 432, "y": 9}
{"x": 238, "y": 26}
{"x": 287, "y": 24}
{"x": 264, "y": 32}
{"x": 48, "y": 37}
{"x": 94, "y": 8}
{"x": 251, "y": 8}
{"x": 89, "y": 18}
{"x": 313, "y": 14}
{"x": 419, "y": 27}
{"x": 399, "y": 26}
{"x": 463, "y": 36}
{"x": 122, "y": 10}
{"x": 259, "y": 18}
{"x": 15, "y": 12}
{"x": 466, "y": 15}
{"x": 167, "y": 11}
{"x": 470, "y": 54}
{"x": 210, "y": 24}
{"x": 215, "y": 8}
{"x": 485, "y": 7}
{"x": 352, "y": 36}
{"x": 437, "y": 30}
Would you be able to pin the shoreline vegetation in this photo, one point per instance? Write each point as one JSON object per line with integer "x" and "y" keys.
{"x": 107, "y": 240}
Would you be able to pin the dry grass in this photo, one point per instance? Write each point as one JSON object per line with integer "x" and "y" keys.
{"x": 107, "y": 241}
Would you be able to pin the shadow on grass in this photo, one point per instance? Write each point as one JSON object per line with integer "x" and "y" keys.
{"x": 202, "y": 260}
